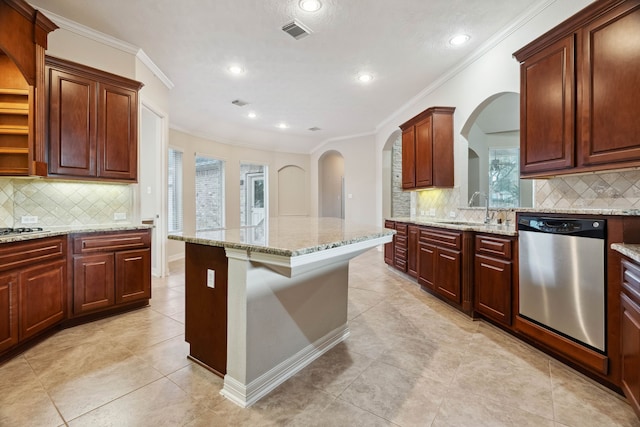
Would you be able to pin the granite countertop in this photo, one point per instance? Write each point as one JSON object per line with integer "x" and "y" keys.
{"x": 628, "y": 249}
{"x": 503, "y": 229}
{"x": 583, "y": 211}
{"x": 63, "y": 230}
{"x": 288, "y": 236}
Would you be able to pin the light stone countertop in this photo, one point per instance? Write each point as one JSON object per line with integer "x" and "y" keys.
{"x": 288, "y": 236}
{"x": 63, "y": 230}
{"x": 478, "y": 227}
{"x": 629, "y": 250}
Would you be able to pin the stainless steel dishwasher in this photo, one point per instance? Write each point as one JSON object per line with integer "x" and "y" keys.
{"x": 562, "y": 276}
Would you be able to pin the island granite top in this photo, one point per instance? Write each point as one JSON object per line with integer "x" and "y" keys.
{"x": 288, "y": 236}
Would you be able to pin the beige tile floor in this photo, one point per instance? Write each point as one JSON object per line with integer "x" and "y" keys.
{"x": 410, "y": 361}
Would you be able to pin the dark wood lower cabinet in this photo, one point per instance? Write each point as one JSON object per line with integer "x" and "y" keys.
{"x": 389, "y": 250}
{"x": 110, "y": 270}
{"x": 42, "y": 296}
{"x": 412, "y": 250}
{"x": 448, "y": 274}
{"x": 8, "y": 311}
{"x": 631, "y": 352}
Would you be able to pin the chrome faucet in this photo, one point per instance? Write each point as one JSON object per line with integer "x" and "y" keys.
{"x": 487, "y": 218}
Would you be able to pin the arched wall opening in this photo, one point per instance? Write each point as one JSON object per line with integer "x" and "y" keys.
{"x": 331, "y": 185}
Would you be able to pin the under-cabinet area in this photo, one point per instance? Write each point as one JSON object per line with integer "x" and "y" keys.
{"x": 52, "y": 282}
{"x": 474, "y": 268}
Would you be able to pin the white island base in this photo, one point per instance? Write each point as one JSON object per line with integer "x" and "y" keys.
{"x": 283, "y": 313}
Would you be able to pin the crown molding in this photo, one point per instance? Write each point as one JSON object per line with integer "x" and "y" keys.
{"x": 496, "y": 39}
{"x": 340, "y": 138}
{"x": 110, "y": 41}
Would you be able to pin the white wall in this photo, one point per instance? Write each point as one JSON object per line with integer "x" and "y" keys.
{"x": 493, "y": 72}
{"x": 359, "y": 155}
{"x": 232, "y": 155}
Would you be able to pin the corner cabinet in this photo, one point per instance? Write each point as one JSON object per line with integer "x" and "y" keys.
{"x": 23, "y": 41}
{"x": 427, "y": 149}
{"x": 630, "y": 332}
{"x": 110, "y": 270}
{"x": 33, "y": 288}
{"x": 93, "y": 123}
{"x": 579, "y": 93}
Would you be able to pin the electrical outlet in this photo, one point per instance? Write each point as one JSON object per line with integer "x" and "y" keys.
{"x": 120, "y": 216}
{"x": 432, "y": 212}
{"x": 452, "y": 214}
{"x": 29, "y": 219}
{"x": 421, "y": 213}
{"x": 211, "y": 279}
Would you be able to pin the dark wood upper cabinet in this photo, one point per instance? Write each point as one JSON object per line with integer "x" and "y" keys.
{"x": 93, "y": 123}
{"x": 427, "y": 149}
{"x": 23, "y": 41}
{"x": 579, "y": 93}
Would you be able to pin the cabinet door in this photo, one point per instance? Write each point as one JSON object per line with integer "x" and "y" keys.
{"x": 611, "y": 87}
{"x": 412, "y": 251}
{"x": 93, "y": 282}
{"x": 424, "y": 153}
{"x": 8, "y": 311}
{"x": 493, "y": 288}
{"x": 448, "y": 274}
{"x": 133, "y": 275}
{"x": 42, "y": 293}
{"x": 631, "y": 351}
{"x": 426, "y": 265}
{"x": 72, "y": 132}
{"x": 117, "y": 133}
{"x": 408, "y": 158}
{"x": 547, "y": 109}
{"x": 388, "y": 247}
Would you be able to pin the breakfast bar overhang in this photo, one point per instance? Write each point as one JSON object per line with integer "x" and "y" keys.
{"x": 284, "y": 301}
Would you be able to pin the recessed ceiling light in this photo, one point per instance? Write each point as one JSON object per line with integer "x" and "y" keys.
{"x": 365, "y": 77}
{"x": 459, "y": 39}
{"x": 283, "y": 125}
{"x": 236, "y": 69}
{"x": 252, "y": 115}
{"x": 310, "y": 5}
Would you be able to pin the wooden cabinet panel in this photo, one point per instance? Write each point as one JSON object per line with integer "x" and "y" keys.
{"x": 631, "y": 351}
{"x": 426, "y": 265}
{"x": 448, "y": 274}
{"x": 24, "y": 254}
{"x": 493, "y": 288}
{"x": 400, "y": 247}
{"x": 72, "y": 133}
{"x": 424, "y": 153}
{"x": 133, "y": 275}
{"x": 8, "y": 311}
{"x": 547, "y": 108}
{"x": 42, "y": 293}
{"x": 389, "y": 250}
{"x": 93, "y": 122}
{"x": 93, "y": 282}
{"x": 412, "y": 251}
{"x": 427, "y": 149}
{"x": 117, "y": 133}
{"x": 408, "y": 158}
{"x": 611, "y": 87}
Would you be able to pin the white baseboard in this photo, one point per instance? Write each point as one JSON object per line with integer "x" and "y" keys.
{"x": 245, "y": 395}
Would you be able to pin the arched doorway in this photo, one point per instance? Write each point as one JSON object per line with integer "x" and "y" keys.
{"x": 331, "y": 184}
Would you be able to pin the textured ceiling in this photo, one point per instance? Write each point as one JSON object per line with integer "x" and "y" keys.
{"x": 305, "y": 83}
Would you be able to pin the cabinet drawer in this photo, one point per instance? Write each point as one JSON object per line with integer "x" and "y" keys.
{"x": 89, "y": 243}
{"x": 631, "y": 280}
{"x": 441, "y": 238}
{"x": 27, "y": 253}
{"x": 401, "y": 229}
{"x": 495, "y": 246}
{"x": 391, "y": 225}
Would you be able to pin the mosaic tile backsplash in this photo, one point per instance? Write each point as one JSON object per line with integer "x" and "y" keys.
{"x": 62, "y": 203}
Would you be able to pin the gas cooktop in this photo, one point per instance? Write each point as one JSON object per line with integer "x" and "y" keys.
{"x": 20, "y": 230}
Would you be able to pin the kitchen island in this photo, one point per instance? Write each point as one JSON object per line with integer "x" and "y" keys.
{"x": 263, "y": 302}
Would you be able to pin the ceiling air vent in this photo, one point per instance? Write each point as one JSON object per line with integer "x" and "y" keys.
{"x": 296, "y": 29}
{"x": 315, "y": 129}
{"x": 239, "y": 103}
